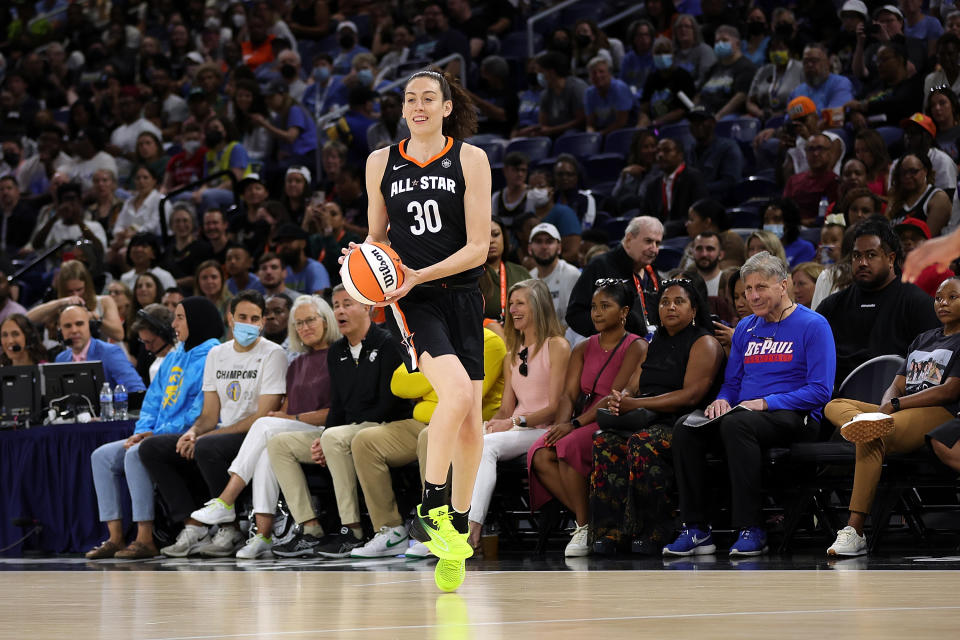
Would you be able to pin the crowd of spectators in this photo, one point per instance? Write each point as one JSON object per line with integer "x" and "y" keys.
{"x": 703, "y": 207}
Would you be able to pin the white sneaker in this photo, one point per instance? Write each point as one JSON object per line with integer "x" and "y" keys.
{"x": 215, "y": 511}
{"x": 389, "y": 541}
{"x": 578, "y": 546}
{"x": 848, "y": 543}
{"x": 256, "y": 547}
{"x": 188, "y": 541}
{"x": 867, "y": 427}
{"x": 225, "y": 542}
{"x": 418, "y": 551}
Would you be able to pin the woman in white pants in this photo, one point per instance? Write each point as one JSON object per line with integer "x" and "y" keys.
{"x": 533, "y": 374}
{"x": 312, "y": 329}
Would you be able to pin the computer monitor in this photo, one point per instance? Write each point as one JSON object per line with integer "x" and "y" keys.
{"x": 20, "y": 391}
{"x": 58, "y": 379}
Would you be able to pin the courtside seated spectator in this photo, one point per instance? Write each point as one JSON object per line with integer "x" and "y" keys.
{"x": 499, "y": 273}
{"x": 560, "y": 460}
{"x": 632, "y": 260}
{"x": 312, "y": 328}
{"x": 922, "y": 396}
{"x": 632, "y": 484}
{"x": 533, "y": 374}
{"x": 360, "y": 365}
{"x": 172, "y": 403}
{"x": 243, "y": 379}
{"x": 781, "y": 370}
{"x": 879, "y": 313}
{"x": 74, "y": 324}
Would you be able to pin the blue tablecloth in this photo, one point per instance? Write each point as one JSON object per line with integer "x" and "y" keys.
{"x": 45, "y": 475}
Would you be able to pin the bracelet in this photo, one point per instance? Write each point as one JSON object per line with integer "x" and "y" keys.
{"x": 513, "y": 421}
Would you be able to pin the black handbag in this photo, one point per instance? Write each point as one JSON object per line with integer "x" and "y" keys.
{"x": 627, "y": 423}
{"x": 585, "y": 398}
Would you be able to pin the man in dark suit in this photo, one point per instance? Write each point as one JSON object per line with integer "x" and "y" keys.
{"x": 670, "y": 196}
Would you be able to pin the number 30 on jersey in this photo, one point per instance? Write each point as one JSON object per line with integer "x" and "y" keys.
{"x": 426, "y": 217}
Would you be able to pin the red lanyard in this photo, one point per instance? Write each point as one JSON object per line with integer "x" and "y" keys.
{"x": 656, "y": 287}
{"x": 503, "y": 291}
{"x": 673, "y": 187}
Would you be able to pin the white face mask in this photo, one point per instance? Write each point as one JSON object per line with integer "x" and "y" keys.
{"x": 539, "y": 196}
{"x": 239, "y": 20}
{"x": 191, "y": 146}
{"x": 212, "y": 23}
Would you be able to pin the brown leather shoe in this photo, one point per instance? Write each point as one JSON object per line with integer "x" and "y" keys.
{"x": 106, "y": 549}
{"x": 136, "y": 550}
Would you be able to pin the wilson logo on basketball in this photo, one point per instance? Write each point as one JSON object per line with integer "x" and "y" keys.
{"x": 385, "y": 268}
{"x": 371, "y": 271}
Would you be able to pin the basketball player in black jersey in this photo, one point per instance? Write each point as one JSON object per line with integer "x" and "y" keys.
{"x": 430, "y": 197}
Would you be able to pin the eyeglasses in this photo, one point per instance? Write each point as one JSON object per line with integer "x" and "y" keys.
{"x": 306, "y": 322}
{"x": 908, "y": 171}
{"x": 608, "y": 282}
{"x": 523, "y": 361}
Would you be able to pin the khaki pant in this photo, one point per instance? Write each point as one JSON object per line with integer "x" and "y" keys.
{"x": 910, "y": 427}
{"x": 287, "y": 452}
{"x": 375, "y": 451}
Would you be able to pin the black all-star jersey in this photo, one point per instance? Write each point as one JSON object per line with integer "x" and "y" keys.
{"x": 426, "y": 216}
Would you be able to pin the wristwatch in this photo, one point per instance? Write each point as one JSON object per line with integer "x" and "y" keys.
{"x": 522, "y": 421}
{"x": 895, "y": 403}
{"x": 576, "y": 423}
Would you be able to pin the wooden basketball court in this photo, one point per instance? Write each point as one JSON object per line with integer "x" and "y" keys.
{"x": 180, "y": 600}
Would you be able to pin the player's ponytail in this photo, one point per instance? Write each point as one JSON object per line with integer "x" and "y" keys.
{"x": 462, "y": 121}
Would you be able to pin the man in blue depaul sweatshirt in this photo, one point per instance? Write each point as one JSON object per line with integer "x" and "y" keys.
{"x": 172, "y": 404}
{"x": 781, "y": 367}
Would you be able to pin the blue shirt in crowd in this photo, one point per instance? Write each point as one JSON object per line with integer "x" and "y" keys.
{"x": 252, "y": 283}
{"x": 791, "y": 364}
{"x": 565, "y": 220}
{"x": 836, "y": 91}
{"x": 636, "y": 68}
{"x": 929, "y": 28}
{"x": 605, "y": 107}
{"x": 313, "y": 278}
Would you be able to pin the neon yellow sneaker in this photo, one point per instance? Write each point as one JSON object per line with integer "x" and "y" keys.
{"x": 449, "y": 574}
{"x": 436, "y": 531}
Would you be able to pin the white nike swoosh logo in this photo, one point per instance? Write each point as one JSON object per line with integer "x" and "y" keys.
{"x": 697, "y": 540}
{"x": 342, "y": 358}
{"x": 400, "y": 166}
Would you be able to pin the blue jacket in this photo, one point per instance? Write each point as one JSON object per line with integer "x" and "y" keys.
{"x": 116, "y": 367}
{"x": 175, "y": 399}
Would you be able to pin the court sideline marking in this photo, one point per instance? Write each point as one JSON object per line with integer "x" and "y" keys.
{"x": 568, "y": 620}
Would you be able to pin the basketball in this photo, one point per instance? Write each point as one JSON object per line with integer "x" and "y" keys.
{"x": 370, "y": 272}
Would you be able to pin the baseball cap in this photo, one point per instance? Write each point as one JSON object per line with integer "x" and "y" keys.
{"x": 196, "y": 93}
{"x": 275, "y": 87}
{"x": 800, "y": 107}
{"x": 913, "y": 223}
{"x": 69, "y": 187}
{"x": 889, "y": 8}
{"x": 249, "y": 179}
{"x": 195, "y": 58}
{"x": 922, "y": 120}
{"x": 700, "y": 112}
{"x": 302, "y": 171}
{"x": 289, "y": 231}
{"x": 854, "y": 6}
{"x": 347, "y": 24}
{"x": 547, "y": 228}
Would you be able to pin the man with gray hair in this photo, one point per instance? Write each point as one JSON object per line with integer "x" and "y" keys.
{"x": 728, "y": 81}
{"x": 631, "y": 261}
{"x": 608, "y": 101}
{"x": 778, "y": 378}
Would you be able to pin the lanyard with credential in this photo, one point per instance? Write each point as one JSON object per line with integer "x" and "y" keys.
{"x": 673, "y": 189}
{"x": 656, "y": 287}
{"x": 503, "y": 292}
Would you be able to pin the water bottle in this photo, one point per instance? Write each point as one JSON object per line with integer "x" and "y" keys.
{"x": 822, "y": 209}
{"x": 120, "y": 402}
{"x": 106, "y": 402}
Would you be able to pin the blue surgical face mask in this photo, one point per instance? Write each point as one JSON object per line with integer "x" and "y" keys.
{"x": 663, "y": 60}
{"x": 723, "y": 49}
{"x": 365, "y": 76}
{"x": 775, "y": 229}
{"x": 245, "y": 334}
{"x": 542, "y": 79}
{"x": 321, "y": 74}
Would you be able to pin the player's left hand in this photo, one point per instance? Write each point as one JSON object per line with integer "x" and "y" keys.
{"x": 411, "y": 278}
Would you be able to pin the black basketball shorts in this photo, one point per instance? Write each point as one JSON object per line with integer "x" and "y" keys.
{"x": 438, "y": 321}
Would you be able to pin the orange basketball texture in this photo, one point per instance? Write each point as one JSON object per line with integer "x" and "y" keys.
{"x": 371, "y": 271}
